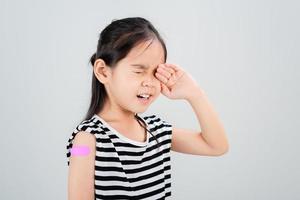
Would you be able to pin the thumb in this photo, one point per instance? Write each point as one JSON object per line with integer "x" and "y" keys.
{"x": 165, "y": 89}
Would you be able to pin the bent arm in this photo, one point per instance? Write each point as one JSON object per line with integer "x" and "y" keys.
{"x": 81, "y": 167}
{"x": 212, "y": 129}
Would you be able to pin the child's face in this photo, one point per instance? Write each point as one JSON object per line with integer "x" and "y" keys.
{"x": 128, "y": 79}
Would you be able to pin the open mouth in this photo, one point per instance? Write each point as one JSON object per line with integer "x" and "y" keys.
{"x": 144, "y": 96}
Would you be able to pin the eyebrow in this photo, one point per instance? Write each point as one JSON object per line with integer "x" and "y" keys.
{"x": 140, "y": 66}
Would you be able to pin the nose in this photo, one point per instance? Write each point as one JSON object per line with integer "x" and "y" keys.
{"x": 148, "y": 83}
{"x": 150, "y": 80}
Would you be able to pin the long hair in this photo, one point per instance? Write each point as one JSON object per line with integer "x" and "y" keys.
{"x": 115, "y": 42}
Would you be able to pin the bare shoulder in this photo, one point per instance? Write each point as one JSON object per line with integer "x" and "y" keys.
{"x": 83, "y": 151}
{"x": 81, "y": 169}
{"x": 83, "y": 137}
{"x": 84, "y": 148}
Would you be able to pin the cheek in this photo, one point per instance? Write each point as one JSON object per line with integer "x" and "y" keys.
{"x": 120, "y": 86}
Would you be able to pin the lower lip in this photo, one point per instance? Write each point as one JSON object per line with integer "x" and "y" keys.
{"x": 144, "y": 100}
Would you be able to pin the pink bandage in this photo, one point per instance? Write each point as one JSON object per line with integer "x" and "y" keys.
{"x": 80, "y": 150}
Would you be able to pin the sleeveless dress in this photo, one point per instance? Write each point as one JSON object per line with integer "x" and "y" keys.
{"x": 129, "y": 169}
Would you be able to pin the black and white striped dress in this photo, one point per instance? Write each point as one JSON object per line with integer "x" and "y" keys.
{"x": 128, "y": 169}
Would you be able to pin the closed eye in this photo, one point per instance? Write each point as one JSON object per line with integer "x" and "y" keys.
{"x": 138, "y": 72}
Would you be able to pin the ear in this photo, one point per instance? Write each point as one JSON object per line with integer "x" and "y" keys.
{"x": 101, "y": 71}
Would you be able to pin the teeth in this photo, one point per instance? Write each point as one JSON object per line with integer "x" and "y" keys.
{"x": 145, "y": 95}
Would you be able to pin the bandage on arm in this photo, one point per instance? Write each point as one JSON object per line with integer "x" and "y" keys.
{"x": 80, "y": 150}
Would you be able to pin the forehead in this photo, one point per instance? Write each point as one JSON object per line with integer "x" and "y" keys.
{"x": 149, "y": 53}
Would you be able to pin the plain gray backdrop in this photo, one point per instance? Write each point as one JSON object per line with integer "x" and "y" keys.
{"x": 244, "y": 54}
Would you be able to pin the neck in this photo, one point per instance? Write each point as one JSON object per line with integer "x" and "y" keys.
{"x": 111, "y": 112}
{"x": 115, "y": 114}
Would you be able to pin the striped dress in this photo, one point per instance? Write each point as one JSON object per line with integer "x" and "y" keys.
{"x": 129, "y": 169}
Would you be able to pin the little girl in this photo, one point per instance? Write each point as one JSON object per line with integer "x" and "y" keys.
{"x": 116, "y": 153}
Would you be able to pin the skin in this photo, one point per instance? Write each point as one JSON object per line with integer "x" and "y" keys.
{"x": 81, "y": 170}
{"x": 124, "y": 82}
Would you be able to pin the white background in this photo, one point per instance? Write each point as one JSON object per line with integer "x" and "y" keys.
{"x": 242, "y": 53}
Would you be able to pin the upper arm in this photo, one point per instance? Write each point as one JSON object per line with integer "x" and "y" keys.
{"x": 191, "y": 142}
{"x": 81, "y": 169}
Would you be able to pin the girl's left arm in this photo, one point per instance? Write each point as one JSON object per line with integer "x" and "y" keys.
{"x": 212, "y": 130}
{"x": 211, "y": 140}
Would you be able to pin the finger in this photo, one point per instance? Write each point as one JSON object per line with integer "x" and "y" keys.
{"x": 179, "y": 72}
{"x": 167, "y": 81}
{"x": 165, "y": 89}
{"x": 161, "y": 77}
{"x": 173, "y": 66}
{"x": 169, "y": 69}
{"x": 164, "y": 72}
{"x": 173, "y": 75}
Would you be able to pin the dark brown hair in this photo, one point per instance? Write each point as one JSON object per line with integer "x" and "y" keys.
{"x": 115, "y": 42}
